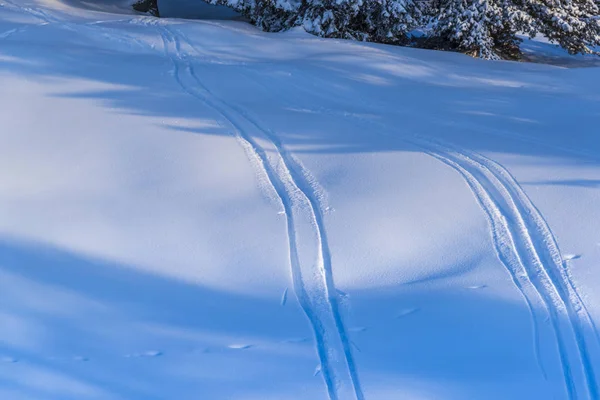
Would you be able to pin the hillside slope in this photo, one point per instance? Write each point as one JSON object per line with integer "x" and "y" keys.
{"x": 197, "y": 209}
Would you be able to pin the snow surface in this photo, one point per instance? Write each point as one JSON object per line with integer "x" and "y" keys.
{"x": 199, "y": 210}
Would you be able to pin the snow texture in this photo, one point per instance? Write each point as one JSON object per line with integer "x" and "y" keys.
{"x": 200, "y": 209}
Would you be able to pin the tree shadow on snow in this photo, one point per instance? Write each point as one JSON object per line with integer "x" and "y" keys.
{"x": 65, "y": 313}
{"x": 324, "y": 96}
{"x": 75, "y": 325}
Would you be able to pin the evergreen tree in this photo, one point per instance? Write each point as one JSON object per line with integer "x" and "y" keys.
{"x": 384, "y": 21}
{"x": 331, "y": 18}
{"x": 389, "y": 21}
{"x": 268, "y": 15}
{"x": 482, "y": 28}
{"x": 368, "y": 20}
{"x": 488, "y": 28}
{"x": 573, "y": 24}
{"x": 147, "y": 6}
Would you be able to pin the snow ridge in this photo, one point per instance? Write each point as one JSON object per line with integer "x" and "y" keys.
{"x": 313, "y": 284}
{"x": 529, "y": 251}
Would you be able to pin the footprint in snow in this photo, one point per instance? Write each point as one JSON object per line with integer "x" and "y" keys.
{"x": 150, "y": 353}
{"x": 8, "y": 360}
{"x": 80, "y": 359}
{"x": 406, "y": 312}
{"x": 475, "y": 287}
{"x": 239, "y": 346}
{"x": 569, "y": 257}
{"x": 317, "y": 370}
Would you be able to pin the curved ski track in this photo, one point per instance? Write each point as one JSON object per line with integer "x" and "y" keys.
{"x": 522, "y": 238}
{"x": 528, "y": 249}
{"x": 313, "y": 284}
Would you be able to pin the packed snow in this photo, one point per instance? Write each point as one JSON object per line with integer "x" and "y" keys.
{"x": 200, "y": 210}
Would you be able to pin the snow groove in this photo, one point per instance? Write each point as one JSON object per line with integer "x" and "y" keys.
{"x": 557, "y": 268}
{"x": 299, "y": 179}
{"x": 313, "y": 284}
{"x": 529, "y": 251}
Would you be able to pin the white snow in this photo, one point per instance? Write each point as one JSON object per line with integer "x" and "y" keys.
{"x": 200, "y": 210}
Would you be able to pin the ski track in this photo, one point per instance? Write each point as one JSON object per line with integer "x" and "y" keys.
{"x": 584, "y": 310}
{"x": 293, "y": 176}
{"x": 547, "y": 248}
{"x": 539, "y": 247}
{"x": 339, "y": 370}
{"x": 529, "y": 251}
{"x": 511, "y": 259}
{"x": 522, "y": 238}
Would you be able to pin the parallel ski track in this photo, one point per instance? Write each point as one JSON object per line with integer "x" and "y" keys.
{"x": 552, "y": 261}
{"x": 294, "y": 176}
{"x": 523, "y": 240}
{"x": 529, "y": 251}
